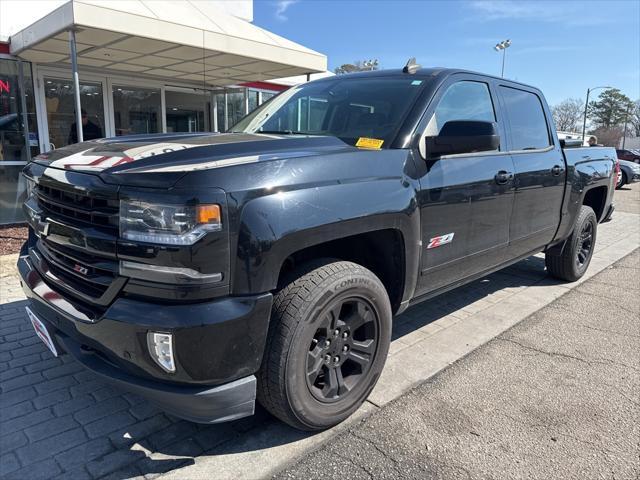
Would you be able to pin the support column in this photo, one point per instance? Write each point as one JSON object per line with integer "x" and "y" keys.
{"x": 23, "y": 107}
{"x": 226, "y": 111}
{"x": 76, "y": 84}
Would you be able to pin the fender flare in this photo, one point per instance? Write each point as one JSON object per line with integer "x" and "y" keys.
{"x": 274, "y": 227}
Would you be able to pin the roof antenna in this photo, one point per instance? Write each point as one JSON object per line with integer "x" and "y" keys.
{"x": 411, "y": 66}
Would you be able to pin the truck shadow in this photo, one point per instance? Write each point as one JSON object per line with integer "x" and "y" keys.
{"x": 461, "y": 302}
{"x": 125, "y": 437}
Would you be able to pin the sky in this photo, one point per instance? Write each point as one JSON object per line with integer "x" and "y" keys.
{"x": 561, "y": 47}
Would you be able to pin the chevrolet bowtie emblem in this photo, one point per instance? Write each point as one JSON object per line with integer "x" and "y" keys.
{"x": 43, "y": 228}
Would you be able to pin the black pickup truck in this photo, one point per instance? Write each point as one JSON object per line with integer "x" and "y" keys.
{"x": 205, "y": 271}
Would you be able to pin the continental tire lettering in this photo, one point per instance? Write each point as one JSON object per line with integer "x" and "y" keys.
{"x": 352, "y": 282}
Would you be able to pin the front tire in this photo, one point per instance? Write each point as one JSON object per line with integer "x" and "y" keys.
{"x": 328, "y": 341}
{"x": 576, "y": 255}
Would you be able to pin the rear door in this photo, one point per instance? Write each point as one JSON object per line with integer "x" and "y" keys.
{"x": 540, "y": 170}
{"x": 466, "y": 199}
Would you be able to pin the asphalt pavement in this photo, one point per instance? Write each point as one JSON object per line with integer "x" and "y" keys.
{"x": 555, "y": 397}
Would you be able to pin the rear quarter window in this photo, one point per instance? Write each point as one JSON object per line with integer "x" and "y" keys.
{"x": 527, "y": 121}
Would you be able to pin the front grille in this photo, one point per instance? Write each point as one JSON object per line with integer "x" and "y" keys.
{"x": 79, "y": 208}
{"x": 90, "y": 276}
{"x": 76, "y": 252}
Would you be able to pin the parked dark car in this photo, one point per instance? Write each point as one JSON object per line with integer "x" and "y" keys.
{"x": 630, "y": 155}
{"x": 629, "y": 173}
{"x": 203, "y": 270}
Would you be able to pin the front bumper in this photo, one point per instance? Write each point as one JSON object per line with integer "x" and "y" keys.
{"x": 218, "y": 346}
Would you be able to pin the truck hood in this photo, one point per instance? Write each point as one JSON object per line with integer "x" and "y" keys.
{"x": 161, "y": 160}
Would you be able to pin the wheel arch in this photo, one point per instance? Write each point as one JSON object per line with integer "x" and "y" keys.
{"x": 381, "y": 218}
{"x": 383, "y": 252}
{"x": 596, "y": 198}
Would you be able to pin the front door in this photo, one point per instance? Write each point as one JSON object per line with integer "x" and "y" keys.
{"x": 187, "y": 110}
{"x": 60, "y": 110}
{"x": 539, "y": 171}
{"x": 466, "y": 199}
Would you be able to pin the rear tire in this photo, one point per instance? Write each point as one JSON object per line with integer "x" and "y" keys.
{"x": 576, "y": 255}
{"x": 327, "y": 344}
{"x": 624, "y": 180}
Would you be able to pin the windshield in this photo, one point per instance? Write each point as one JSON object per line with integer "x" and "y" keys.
{"x": 347, "y": 108}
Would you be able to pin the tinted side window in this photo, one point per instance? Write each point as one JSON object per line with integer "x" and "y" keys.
{"x": 464, "y": 100}
{"x": 526, "y": 117}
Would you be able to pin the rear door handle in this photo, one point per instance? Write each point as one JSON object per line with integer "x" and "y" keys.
{"x": 557, "y": 170}
{"x": 503, "y": 177}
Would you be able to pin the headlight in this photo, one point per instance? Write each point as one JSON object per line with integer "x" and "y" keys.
{"x": 168, "y": 224}
{"x": 31, "y": 186}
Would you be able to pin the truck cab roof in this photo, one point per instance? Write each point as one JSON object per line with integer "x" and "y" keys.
{"x": 427, "y": 72}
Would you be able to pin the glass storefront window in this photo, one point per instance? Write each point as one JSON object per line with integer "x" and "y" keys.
{"x": 188, "y": 111}
{"x": 220, "y": 109}
{"x": 235, "y": 107}
{"x": 253, "y": 99}
{"x": 136, "y": 110}
{"x": 230, "y": 112}
{"x": 61, "y": 116}
{"x": 12, "y": 193}
{"x": 16, "y": 144}
{"x": 267, "y": 95}
{"x": 13, "y": 144}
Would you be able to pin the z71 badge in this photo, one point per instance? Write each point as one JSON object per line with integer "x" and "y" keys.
{"x": 441, "y": 240}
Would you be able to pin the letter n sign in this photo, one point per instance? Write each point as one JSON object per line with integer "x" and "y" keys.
{"x": 4, "y": 86}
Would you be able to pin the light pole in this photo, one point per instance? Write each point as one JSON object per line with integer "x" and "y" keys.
{"x": 503, "y": 45}
{"x": 586, "y": 104}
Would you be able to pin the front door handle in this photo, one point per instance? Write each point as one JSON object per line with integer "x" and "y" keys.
{"x": 503, "y": 177}
{"x": 557, "y": 170}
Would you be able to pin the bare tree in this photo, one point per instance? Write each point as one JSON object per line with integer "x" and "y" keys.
{"x": 634, "y": 119}
{"x": 608, "y": 136}
{"x": 568, "y": 114}
{"x": 358, "y": 66}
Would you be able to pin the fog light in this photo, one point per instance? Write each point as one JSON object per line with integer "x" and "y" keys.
{"x": 161, "y": 350}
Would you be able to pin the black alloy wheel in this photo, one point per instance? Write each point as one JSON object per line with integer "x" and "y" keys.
{"x": 342, "y": 349}
{"x": 585, "y": 244}
{"x": 327, "y": 343}
{"x": 572, "y": 261}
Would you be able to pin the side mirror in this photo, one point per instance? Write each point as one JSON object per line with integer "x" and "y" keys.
{"x": 463, "y": 136}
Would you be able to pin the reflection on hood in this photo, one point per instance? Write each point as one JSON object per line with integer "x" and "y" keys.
{"x": 182, "y": 153}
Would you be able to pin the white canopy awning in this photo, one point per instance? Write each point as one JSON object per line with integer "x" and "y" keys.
{"x": 173, "y": 40}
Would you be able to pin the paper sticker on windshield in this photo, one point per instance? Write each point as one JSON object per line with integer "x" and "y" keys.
{"x": 416, "y": 82}
{"x": 373, "y": 143}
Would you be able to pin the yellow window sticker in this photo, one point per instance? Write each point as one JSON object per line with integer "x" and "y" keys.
{"x": 373, "y": 143}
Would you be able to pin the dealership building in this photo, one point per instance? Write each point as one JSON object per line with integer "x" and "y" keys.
{"x": 143, "y": 66}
